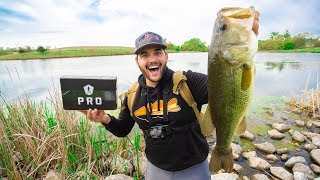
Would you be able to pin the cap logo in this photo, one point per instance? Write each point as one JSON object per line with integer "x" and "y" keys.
{"x": 148, "y": 37}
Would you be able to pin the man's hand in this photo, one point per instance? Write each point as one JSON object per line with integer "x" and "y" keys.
{"x": 97, "y": 116}
{"x": 255, "y": 27}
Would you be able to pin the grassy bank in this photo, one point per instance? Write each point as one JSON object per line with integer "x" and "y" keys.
{"x": 68, "y": 52}
{"x": 38, "y": 138}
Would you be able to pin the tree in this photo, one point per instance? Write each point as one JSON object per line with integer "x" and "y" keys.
{"x": 274, "y": 35}
{"x": 194, "y": 44}
{"x": 41, "y": 49}
{"x": 286, "y": 34}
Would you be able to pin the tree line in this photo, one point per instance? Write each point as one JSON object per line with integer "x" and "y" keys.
{"x": 40, "y": 49}
{"x": 276, "y": 41}
{"x": 286, "y": 41}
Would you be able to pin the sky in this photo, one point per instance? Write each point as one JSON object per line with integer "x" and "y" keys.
{"x": 63, "y": 23}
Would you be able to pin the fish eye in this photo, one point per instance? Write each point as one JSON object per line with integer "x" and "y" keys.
{"x": 223, "y": 27}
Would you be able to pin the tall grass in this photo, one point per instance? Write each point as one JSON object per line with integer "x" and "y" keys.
{"x": 36, "y": 138}
{"x": 308, "y": 101}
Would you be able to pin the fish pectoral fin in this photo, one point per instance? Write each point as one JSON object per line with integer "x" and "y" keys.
{"x": 242, "y": 125}
{"x": 207, "y": 123}
{"x": 247, "y": 76}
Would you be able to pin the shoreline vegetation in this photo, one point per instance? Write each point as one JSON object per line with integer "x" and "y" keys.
{"x": 91, "y": 51}
{"x": 277, "y": 43}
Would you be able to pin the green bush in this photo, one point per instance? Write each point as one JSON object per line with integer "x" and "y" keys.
{"x": 287, "y": 45}
{"x": 21, "y": 50}
{"x": 41, "y": 49}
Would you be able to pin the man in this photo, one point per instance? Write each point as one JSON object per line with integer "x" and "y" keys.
{"x": 175, "y": 147}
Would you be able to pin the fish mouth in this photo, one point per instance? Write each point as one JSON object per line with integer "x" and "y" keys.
{"x": 238, "y": 13}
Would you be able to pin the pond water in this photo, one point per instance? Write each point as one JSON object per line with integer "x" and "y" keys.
{"x": 278, "y": 74}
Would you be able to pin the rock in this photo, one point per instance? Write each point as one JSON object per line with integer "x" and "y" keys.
{"x": 266, "y": 147}
{"x": 235, "y": 156}
{"x": 309, "y": 147}
{"x": 248, "y": 135}
{"x": 309, "y": 124}
{"x": 291, "y": 131}
{"x": 53, "y": 175}
{"x": 298, "y": 136}
{"x": 282, "y": 150}
{"x": 274, "y": 134}
{"x": 316, "y": 123}
{"x": 245, "y": 178}
{"x": 299, "y": 176}
{"x": 317, "y": 117}
{"x": 284, "y": 157}
{"x": 119, "y": 177}
{"x": 238, "y": 168}
{"x": 236, "y": 148}
{"x": 121, "y": 166}
{"x": 280, "y": 127}
{"x": 299, "y": 123}
{"x": 309, "y": 134}
{"x": 299, "y": 167}
{"x": 316, "y": 141}
{"x": 272, "y": 157}
{"x": 258, "y": 163}
{"x": 225, "y": 176}
{"x": 249, "y": 154}
{"x": 315, "y": 154}
{"x": 281, "y": 173}
{"x": 260, "y": 177}
{"x": 297, "y": 159}
{"x": 315, "y": 168}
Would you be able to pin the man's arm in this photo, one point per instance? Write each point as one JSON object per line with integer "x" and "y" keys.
{"x": 120, "y": 126}
{"x": 197, "y": 83}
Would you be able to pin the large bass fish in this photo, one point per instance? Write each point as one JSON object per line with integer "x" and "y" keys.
{"x": 230, "y": 79}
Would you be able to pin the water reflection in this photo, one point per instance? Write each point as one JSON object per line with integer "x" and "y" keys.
{"x": 281, "y": 65}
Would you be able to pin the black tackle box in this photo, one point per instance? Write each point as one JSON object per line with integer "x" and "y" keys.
{"x": 84, "y": 92}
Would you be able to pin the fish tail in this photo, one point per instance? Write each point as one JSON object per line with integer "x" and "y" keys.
{"x": 221, "y": 160}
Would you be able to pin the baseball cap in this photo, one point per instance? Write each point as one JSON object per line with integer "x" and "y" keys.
{"x": 148, "y": 38}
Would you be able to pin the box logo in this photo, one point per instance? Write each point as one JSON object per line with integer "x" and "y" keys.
{"x": 88, "y": 89}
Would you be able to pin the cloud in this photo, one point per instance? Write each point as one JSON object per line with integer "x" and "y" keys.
{"x": 58, "y": 23}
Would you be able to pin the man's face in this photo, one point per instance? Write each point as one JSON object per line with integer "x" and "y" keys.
{"x": 152, "y": 61}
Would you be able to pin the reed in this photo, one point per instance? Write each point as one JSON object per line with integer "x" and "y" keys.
{"x": 36, "y": 138}
{"x": 308, "y": 101}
